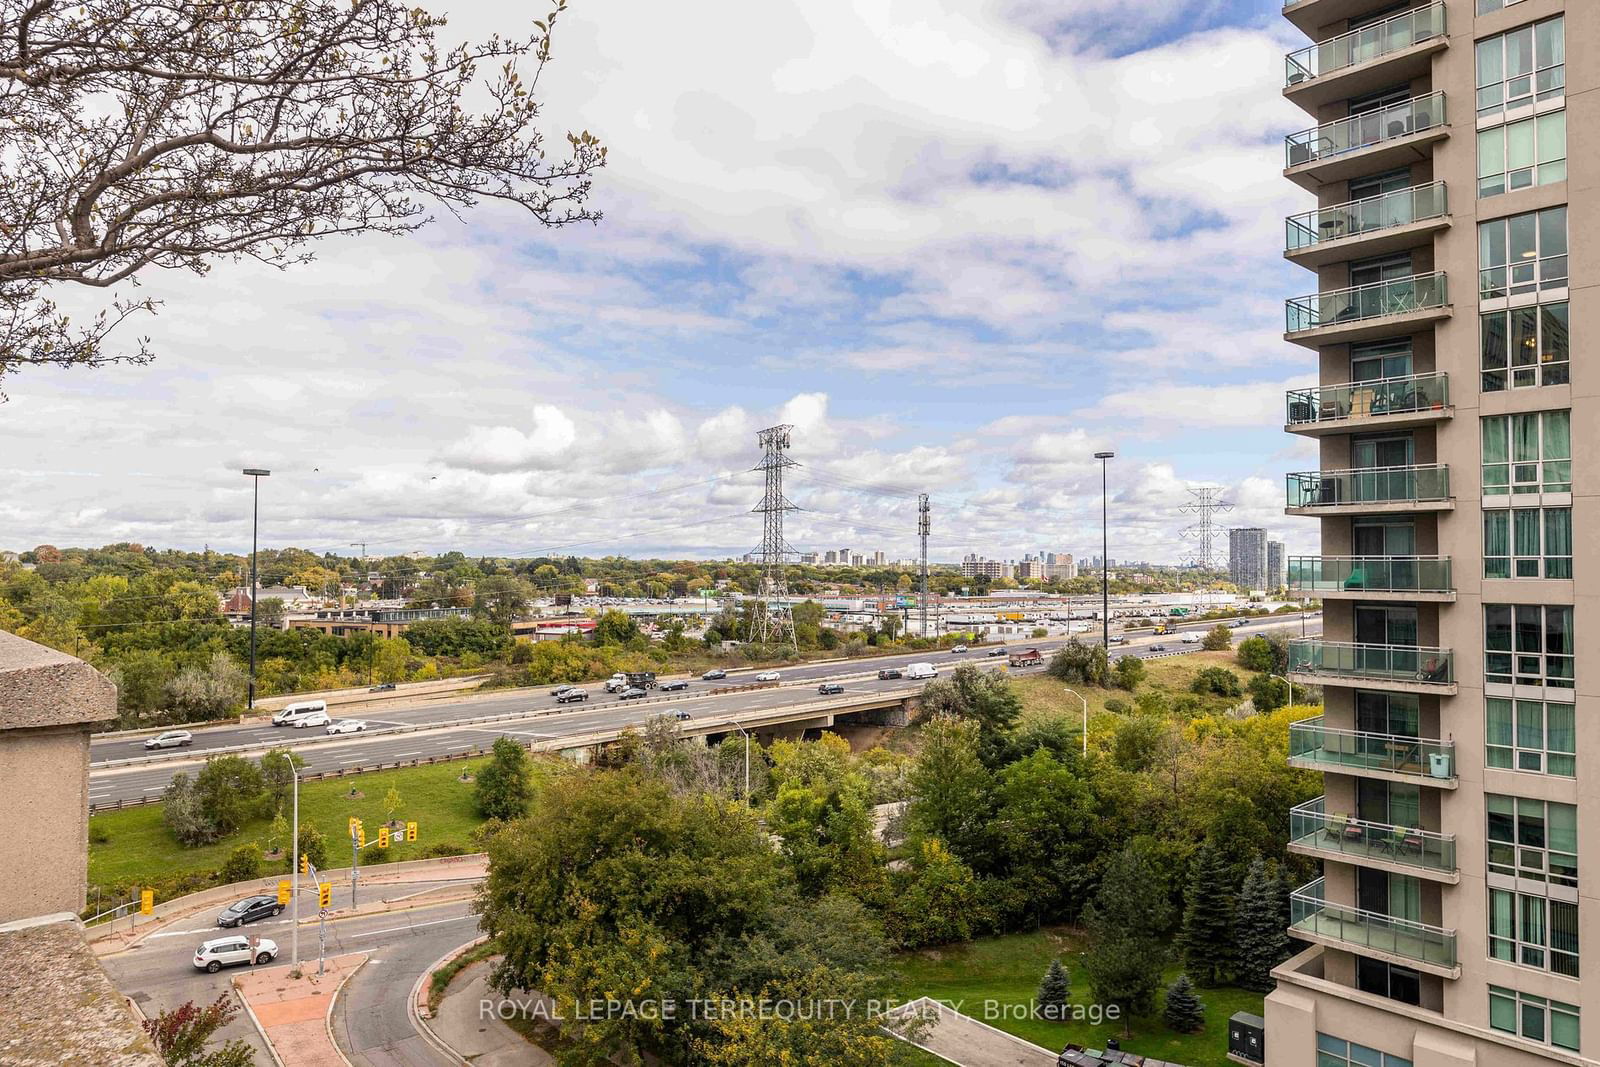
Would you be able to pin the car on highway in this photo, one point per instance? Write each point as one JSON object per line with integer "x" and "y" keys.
{"x": 384, "y": 687}
{"x": 631, "y": 693}
{"x": 674, "y": 685}
{"x": 828, "y": 689}
{"x": 310, "y": 718}
{"x": 768, "y": 676}
{"x": 713, "y": 674}
{"x": 957, "y": 650}
{"x": 558, "y": 690}
{"x": 681, "y": 715}
{"x": 1158, "y": 648}
{"x": 571, "y": 694}
{"x": 1237, "y": 623}
{"x": 993, "y": 652}
{"x": 249, "y": 910}
{"x": 890, "y": 672}
{"x": 347, "y": 726}
{"x": 223, "y": 952}
{"x": 1191, "y": 639}
{"x": 170, "y": 739}
{"x": 1119, "y": 640}
{"x": 291, "y": 712}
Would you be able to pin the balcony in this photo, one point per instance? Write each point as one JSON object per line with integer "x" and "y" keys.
{"x": 1385, "y": 53}
{"x": 1404, "y": 578}
{"x": 1398, "y": 668}
{"x": 1313, "y": 831}
{"x": 1382, "y": 139}
{"x": 1311, "y": 15}
{"x": 1363, "y": 312}
{"x": 1391, "y": 757}
{"x": 1429, "y": 948}
{"x": 1379, "y": 403}
{"x": 1369, "y": 490}
{"x": 1373, "y": 225}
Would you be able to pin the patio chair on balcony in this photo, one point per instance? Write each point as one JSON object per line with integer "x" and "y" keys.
{"x": 1434, "y": 670}
{"x": 1411, "y": 841}
{"x": 1335, "y": 826}
{"x": 1357, "y": 579}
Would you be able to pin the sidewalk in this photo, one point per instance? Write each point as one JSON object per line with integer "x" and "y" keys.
{"x": 293, "y": 1015}
{"x": 967, "y": 1041}
{"x": 469, "y": 1026}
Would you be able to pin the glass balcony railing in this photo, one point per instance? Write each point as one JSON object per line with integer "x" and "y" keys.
{"x": 1312, "y": 826}
{"x": 1310, "y": 913}
{"x": 1370, "y": 574}
{"x": 1311, "y": 744}
{"x": 1369, "y": 485}
{"x": 1355, "y": 132}
{"x": 1408, "y": 395}
{"x": 1340, "y": 307}
{"x": 1369, "y": 42}
{"x": 1383, "y": 663}
{"x": 1372, "y": 214}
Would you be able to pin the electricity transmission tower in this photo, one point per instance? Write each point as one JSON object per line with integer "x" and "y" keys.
{"x": 1207, "y": 503}
{"x": 922, "y": 535}
{"x": 773, "y": 625}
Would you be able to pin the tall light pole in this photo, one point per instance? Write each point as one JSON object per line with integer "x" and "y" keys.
{"x": 294, "y": 868}
{"x": 746, "y": 733}
{"x": 1085, "y": 704}
{"x": 255, "y": 474}
{"x": 1105, "y": 561}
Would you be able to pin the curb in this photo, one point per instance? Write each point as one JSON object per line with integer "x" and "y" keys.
{"x": 333, "y": 1002}
{"x": 260, "y": 1030}
{"x": 417, "y": 1009}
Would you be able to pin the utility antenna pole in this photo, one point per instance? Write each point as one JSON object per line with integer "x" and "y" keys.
{"x": 922, "y": 535}
{"x": 363, "y": 546}
{"x": 771, "y": 626}
{"x": 1207, "y": 503}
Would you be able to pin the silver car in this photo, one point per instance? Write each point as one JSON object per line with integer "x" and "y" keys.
{"x": 170, "y": 739}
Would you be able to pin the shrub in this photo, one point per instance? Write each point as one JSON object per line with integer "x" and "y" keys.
{"x": 243, "y": 864}
{"x": 1267, "y": 692}
{"x": 1128, "y": 673}
{"x": 1263, "y": 654}
{"x": 443, "y": 848}
{"x": 1116, "y": 707}
{"x": 97, "y": 834}
{"x": 1217, "y": 680}
{"x": 504, "y": 788}
{"x": 1217, "y": 638}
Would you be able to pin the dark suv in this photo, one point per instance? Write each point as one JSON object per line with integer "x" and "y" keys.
{"x": 889, "y": 672}
{"x": 249, "y": 910}
{"x": 830, "y": 688}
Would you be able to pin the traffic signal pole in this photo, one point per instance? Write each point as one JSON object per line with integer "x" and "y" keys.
{"x": 294, "y": 866}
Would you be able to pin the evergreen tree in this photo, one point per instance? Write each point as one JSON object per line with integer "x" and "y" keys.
{"x": 1262, "y": 935}
{"x": 1054, "y": 988}
{"x": 1208, "y": 918}
{"x": 1184, "y": 1011}
{"x": 1124, "y": 924}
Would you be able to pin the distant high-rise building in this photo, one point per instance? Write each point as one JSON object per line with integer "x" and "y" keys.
{"x": 830, "y": 556}
{"x": 1247, "y": 557}
{"x": 879, "y": 559}
{"x": 974, "y": 566}
{"x": 1030, "y": 567}
{"x": 1277, "y": 566}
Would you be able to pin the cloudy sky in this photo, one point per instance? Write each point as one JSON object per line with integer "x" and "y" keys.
{"x": 958, "y": 245}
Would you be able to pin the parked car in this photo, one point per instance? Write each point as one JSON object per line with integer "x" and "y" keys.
{"x": 681, "y": 715}
{"x": 558, "y": 690}
{"x": 571, "y": 695}
{"x": 674, "y": 685}
{"x": 828, "y": 689}
{"x": 310, "y": 718}
{"x": 291, "y": 712}
{"x": 249, "y": 910}
{"x": 890, "y": 672}
{"x": 993, "y": 652}
{"x": 170, "y": 739}
{"x": 347, "y": 726}
{"x": 768, "y": 676}
{"x": 713, "y": 674}
{"x": 959, "y": 649}
{"x": 223, "y": 952}
{"x": 631, "y": 693}
{"x": 384, "y": 687}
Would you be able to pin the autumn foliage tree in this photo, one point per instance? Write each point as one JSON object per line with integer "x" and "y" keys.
{"x": 180, "y": 1035}
{"x": 169, "y": 133}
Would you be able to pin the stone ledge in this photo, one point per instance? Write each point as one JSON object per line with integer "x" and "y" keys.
{"x": 41, "y": 688}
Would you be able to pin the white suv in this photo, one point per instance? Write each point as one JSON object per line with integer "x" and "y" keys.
{"x": 227, "y": 951}
{"x": 310, "y": 718}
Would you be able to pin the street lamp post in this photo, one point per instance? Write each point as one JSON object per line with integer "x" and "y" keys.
{"x": 294, "y": 868}
{"x": 1105, "y": 560}
{"x": 1085, "y": 704}
{"x": 255, "y": 474}
{"x": 746, "y": 734}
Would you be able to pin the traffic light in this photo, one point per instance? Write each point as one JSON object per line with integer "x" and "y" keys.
{"x": 147, "y": 901}
{"x": 361, "y": 836}
{"x": 305, "y": 863}
{"x": 354, "y": 822}
{"x": 324, "y": 894}
{"x": 283, "y": 891}
{"x": 383, "y": 837}
{"x": 411, "y": 831}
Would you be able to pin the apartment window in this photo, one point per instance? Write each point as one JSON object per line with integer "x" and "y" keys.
{"x": 1528, "y": 644}
{"x": 1391, "y": 980}
{"x": 1486, "y": 6}
{"x": 1534, "y": 931}
{"x": 1515, "y": 69}
{"x": 1523, "y": 254}
{"x": 1380, "y": 359}
{"x": 1520, "y": 155}
{"x": 1533, "y": 839}
{"x": 1531, "y": 735}
{"x": 1527, "y": 543}
{"x": 1337, "y": 1052}
{"x": 1529, "y": 453}
{"x": 1535, "y": 1018}
{"x": 1524, "y": 347}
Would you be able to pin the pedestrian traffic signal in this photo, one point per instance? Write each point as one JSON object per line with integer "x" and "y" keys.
{"x": 324, "y": 894}
{"x": 305, "y": 863}
{"x": 147, "y": 901}
{"x": 283, "y": 891}
{"x": 411, "y": 831}
{"x": 383, "y": 837}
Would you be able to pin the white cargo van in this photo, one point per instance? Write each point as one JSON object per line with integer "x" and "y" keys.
{"x": 293, "y": 713}
{"x": 921, "y": 670}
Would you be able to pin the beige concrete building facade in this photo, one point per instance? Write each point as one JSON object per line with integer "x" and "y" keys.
{"x": 1452, "y": 155}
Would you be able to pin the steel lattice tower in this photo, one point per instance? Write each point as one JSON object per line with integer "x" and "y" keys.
{"x": 1207, "y": 503}
{"x": 922, "y": 535}
{"x": 774, "y": 625}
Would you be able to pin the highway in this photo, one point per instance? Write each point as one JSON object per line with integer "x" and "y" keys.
{"x": 539, "y": 721}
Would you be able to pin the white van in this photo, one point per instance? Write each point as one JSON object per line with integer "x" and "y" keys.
{"x": 292, "y": 713}
{"x": 921, "y": 670}
{"x": 1191, "y": 638}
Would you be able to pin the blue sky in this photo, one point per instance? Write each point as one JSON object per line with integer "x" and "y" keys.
{"x": 960, "y": 246}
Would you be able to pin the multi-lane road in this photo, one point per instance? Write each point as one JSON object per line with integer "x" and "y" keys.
{"x": 439, "y": 728}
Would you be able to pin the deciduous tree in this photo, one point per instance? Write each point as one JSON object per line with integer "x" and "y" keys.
{"x": 505, "y": 785}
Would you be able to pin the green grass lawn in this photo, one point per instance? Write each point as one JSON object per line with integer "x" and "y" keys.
{"x": 1043, "y": 695}
{"x": 138, "y": 848}
{"x": 996, "y": 978}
